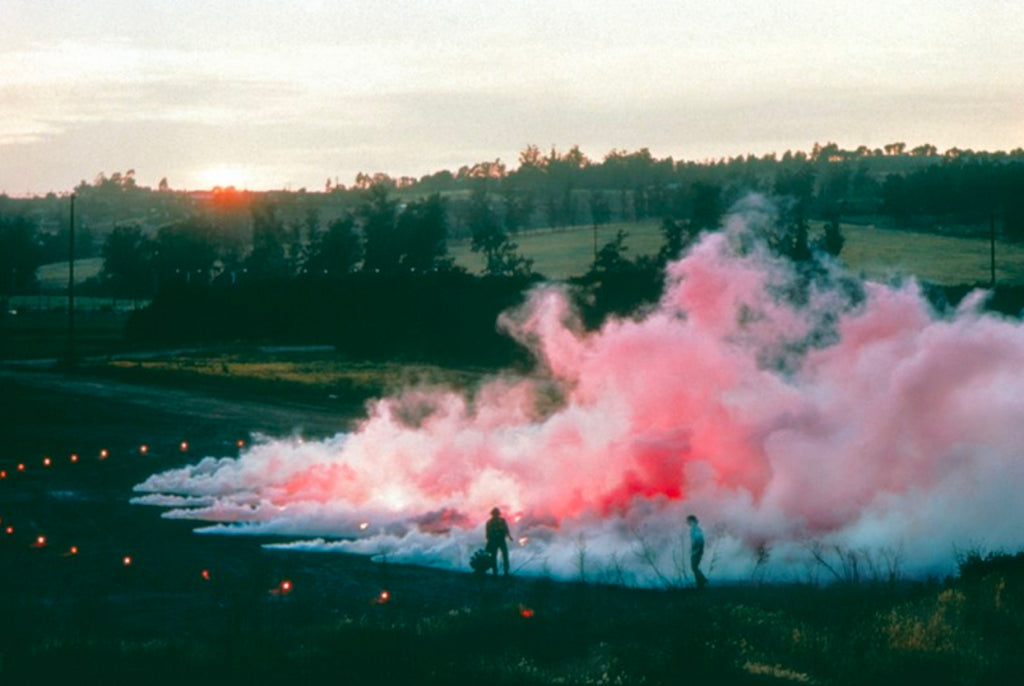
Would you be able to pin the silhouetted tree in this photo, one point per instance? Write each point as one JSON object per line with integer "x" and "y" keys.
{"x": 519, "y": 207}
{"x": 127, "y": 262}
{"x": 271, "y": 246}
{"x": 678, "y": 236}
{"x": 612, "y": 255}
{"x": 422, "y": 234}
{"x": 895, "y": 198}
{"x": 500, "y": 252}
{"x": 184, "y": 253}
{"x": 377, "y": 214}
{"x": 801, "y": 247}
{"x": 600, "y": 209}
{"x": 832, "y": 242}
{"x": 707, "y": 206}
{"x": 19, "y": 255}
{"x": 336, "y": 250}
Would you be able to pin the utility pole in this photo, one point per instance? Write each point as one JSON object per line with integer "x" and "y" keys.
{"x": 992, "y": 246}
{"x": 71, "y": 286}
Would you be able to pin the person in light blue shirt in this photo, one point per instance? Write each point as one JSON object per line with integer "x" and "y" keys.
{"x": 696, "y": 550}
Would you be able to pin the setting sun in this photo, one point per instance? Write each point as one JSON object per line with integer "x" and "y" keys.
{"x": 223, "y": 176}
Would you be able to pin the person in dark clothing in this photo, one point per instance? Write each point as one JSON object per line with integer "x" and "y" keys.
{"x": 696, "y": 550}
{"x": 497, "y": 533}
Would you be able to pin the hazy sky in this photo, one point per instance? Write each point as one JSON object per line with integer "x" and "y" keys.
{"x": 286, "y": 94}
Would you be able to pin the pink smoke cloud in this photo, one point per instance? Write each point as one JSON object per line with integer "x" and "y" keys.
{"x": 869, "y": 423}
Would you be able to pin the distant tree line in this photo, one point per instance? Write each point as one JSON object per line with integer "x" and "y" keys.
{"x": 195, "y": 252}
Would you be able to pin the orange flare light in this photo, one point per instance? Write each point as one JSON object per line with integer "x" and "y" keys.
{"x": 40, "y": 542}
{"x": 143, "y": 448}
{"x": 363, "y": 526}
{"x": 183, "y": 446}
{"x": 127, "y": 561}
{"x": 524, "y": 540}
{"x": 104, "y": 454}
{"x": 73, "y": 550}
{"x": 240, "y": 443}
{"x": 21, "y": 466}
{"x": 525, "y": 612}
{"x": 9, "y": 530}
{"x": 74, "y": 457}
{"x": 47, "y": 462}
{"x": 205, "y": 574}
{"x": 3, "y": 473}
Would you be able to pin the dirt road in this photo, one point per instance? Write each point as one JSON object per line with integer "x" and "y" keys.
{"x": 188, "y": 408}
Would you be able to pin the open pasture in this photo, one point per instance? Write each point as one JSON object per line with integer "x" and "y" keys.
{"x": 875, "y": 253}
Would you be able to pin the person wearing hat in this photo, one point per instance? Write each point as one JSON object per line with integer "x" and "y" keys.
{"x": 497, "y": 533}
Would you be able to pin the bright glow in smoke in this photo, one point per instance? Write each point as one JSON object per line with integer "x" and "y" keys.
{"x": 857, "y": 421}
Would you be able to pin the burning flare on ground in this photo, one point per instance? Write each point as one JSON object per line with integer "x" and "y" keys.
{"x": 800, "y": 415}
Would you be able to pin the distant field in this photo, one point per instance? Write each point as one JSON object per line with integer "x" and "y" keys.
{"x": 563, "y": 253}
{"x": 883, "y": 254}
{"x": 55, "y": 275}
{"x": 875, "y": 253}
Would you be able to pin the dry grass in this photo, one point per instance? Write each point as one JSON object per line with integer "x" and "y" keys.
{"x": 873, "y": 252}
{"x": 564, "y": 253}
{"x": 320, "y": 377}
{"x": 947, "y": 260}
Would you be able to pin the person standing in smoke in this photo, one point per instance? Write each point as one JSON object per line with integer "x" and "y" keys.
{"x": 696, "y": 550}
{"x": 497, "y": 533}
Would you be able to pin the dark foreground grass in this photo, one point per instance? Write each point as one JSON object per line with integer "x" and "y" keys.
{"x": 89, "y": 618}
{"x": 538, "y": 632}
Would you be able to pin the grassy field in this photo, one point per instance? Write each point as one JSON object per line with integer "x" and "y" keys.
{"x": 564, "y": 253}
{"x": 946, "y": 260}
{"x": 875, "y": 253}
{"x": 55, "y": 276}
{"x": 316, "y": 377}
{"x": 143, "y": 598}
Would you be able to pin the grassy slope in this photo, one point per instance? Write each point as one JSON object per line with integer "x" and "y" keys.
{"x": 562, "y": 253}
{"x": 876, "y": 253}
{"x": 948, "y": 260}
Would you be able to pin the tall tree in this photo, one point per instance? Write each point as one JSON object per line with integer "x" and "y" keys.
{"x": 678, "y": 235}
{"x": 127, "y": 259}
{"x": 377, "y": 214}
{"x": 600, "y": 209}
{"x": 19, "y": 255}
{"x": 184, "y": 253}
{"x": 612, "y": 255}
{"x": 271, "y": 246}
{"x": 500, "y": 252}
{"x": 706, "y": 214}
{"x": 832, "y": 242}
{"x": 336, "y": 250}
{"x": 422, "y": 233}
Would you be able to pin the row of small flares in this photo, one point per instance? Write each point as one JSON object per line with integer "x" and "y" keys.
{"x": 75, "y": 458}
{"x": 283, "y": 588}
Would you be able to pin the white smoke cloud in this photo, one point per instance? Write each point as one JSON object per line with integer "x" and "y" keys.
{"x": 814, "y": 425}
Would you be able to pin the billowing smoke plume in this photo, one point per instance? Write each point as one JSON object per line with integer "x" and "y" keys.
{"x": 816, "y": 424}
